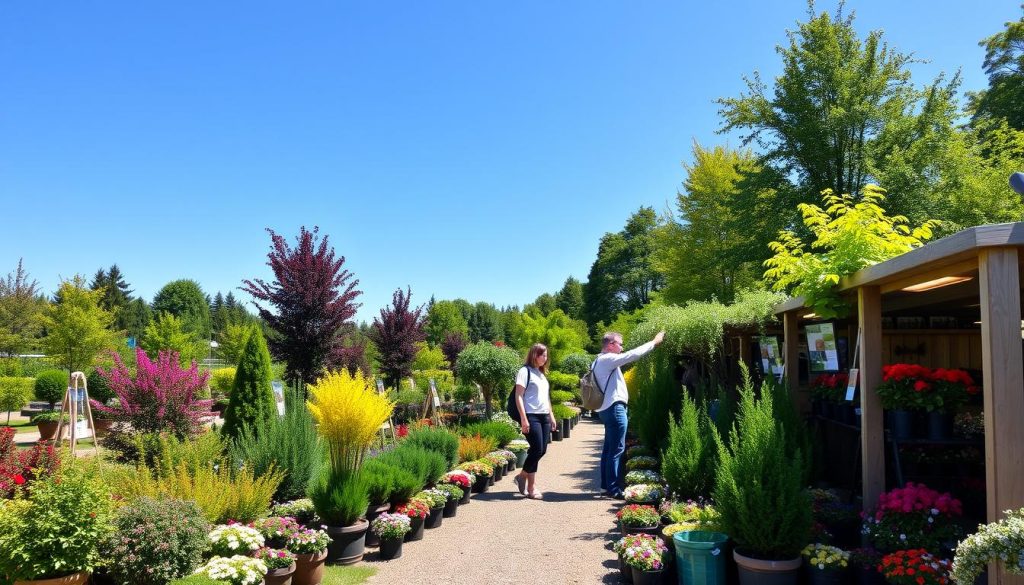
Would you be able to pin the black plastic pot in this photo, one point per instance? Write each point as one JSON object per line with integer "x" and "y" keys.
{"x": 372, "y": 512}
{"x": 434, "y": 518}
{"x": 390, "y": 548}
{"x": 467, "y": 493}
{"x": 416, "y": 532}
{"x": 348, "y": 543}
{"x": 566, "y": 428}
{"x": 451, "y": 507}
{"x": 481, "y": 484}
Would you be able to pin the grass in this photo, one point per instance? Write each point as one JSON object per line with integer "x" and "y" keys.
{"x": 332, "y": 576}
{"x": 19, "y": 425}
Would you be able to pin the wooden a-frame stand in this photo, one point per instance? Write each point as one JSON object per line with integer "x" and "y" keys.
{"x": 431, "y": 404}
{"x": 70, "y": 406}
{"x": 388, "y": 425}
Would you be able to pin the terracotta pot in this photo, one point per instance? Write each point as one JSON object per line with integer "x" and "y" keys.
{"x": 764, "y": 572}
{"x": 76, "y": 579}
{"x": 309, "y": 569}
{"x": 280, "y": 576}
{"x": 47, "y": 430}
{"x": 348, "y": 543}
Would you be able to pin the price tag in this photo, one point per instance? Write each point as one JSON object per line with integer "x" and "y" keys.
{"x": 851, "y": 386}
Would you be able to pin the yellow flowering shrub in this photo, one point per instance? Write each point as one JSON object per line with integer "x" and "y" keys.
{"x": 348, "y": 412}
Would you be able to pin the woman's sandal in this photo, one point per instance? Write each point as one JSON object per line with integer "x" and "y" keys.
{"x": 535, "y": 496}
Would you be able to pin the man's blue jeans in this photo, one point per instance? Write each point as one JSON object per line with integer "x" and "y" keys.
{"x": 614, "y": 419}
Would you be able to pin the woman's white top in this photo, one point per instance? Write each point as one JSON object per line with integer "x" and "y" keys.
{"x": 536, "y": 398}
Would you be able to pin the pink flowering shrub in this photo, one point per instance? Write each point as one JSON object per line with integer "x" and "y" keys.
{"x": 160, "y": 397}
{"x": 914, "y": 516}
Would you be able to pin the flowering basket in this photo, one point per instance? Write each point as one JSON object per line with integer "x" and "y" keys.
{"x": 518, "y": 445}
{"x": 414, "y": 509}
{"x": 274, "y": 558}
{"x": 999, "y": 541}
{"x": 391, "y": 526}
{"x": 459, "y": 478}
{"x": 433, "y": 497}
{"x": 642, "y": 462}
{"x": 825, "y": 558}
{"x": 277, "y": 528}
{"x": 914, "y": 516}
{"x": 308, "y": 541}
{"x": 643, "y": 476}
{"x": 914, "y": 567}
{"x": 237, "y": 570}
{"x": 233, "y": 539}
{"x": 829, "y": 387}
{"x": 645, "y": 553}
{"x": 638, "y": 515}
{"x": 643, "y": 492}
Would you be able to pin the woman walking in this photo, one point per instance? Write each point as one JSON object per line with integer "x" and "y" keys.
{"x": 534, "y": 403}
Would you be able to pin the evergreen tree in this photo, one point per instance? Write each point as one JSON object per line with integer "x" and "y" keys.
{"x": 20, "y": 309}
{"x": 185, "y": 300}
{"x": 445, "y": 317}
{"x": 133, "y": 318}
{"x": 570, "y": 298}
{"x": 395, "y": 334}
{"x": 485, "y": 323}
{"x": 252, "y": 401}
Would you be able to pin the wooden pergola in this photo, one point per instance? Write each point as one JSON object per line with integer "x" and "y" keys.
{"x": 978, "y": 271}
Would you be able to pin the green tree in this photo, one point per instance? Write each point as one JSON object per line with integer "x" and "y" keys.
{"x": 252, "y": 401}
{"x": 168, "y": 332}
{"x": 485, "y": 323}
{"x": 489, "y": 366}
{"x": 185, "y": 300}
{"x": 701, "y": 251}
{"x": 557, "y": 331}
{"x": 445, "y": 317}
{"x": 231, "y": 342}
{"x": 428, "y": 358}
{"x": 78, "y": 329}
{"x": 134, "y": 318}
{"x": 570, "y": 298}
{"x": 21, "y": 306}
{"x": 545, "y": 303}
{"x": 1004, "y": 65}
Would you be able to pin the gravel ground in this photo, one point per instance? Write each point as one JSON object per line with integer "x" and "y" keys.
{"x": 502, "y": 537}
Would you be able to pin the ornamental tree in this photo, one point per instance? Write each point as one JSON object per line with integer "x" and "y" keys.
{"x": 77, "y": 327}
{"x": 395, "y": 334}
{"x": 252, "y": 397}
{"x": 312, "y": 298}
{"x": 489, "y": 366}
{"x": 452, "y": 345}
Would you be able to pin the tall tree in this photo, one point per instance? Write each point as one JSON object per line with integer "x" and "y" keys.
{"x": 1004, "y": 65}
{"x": 185, "y": 300}
{"x": 452, "y": 345}
{"x": 252, "y": 397}
{"x": 77, "y": 328}
{"x": 20, "y": 308}
{"x": 134, "y": 317}
{"x": 570, "y": 298}
{"x": 313, "y": 299}
{"x": 168, "y": 332}
{"x": 557, "y": 331}
{"x": 485, "y": 323}
{"x": 545, "y": 303}
{"x": 443, "y": 318}
{"x": 395, "y": 334}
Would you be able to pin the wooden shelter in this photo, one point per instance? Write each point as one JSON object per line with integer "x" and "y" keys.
{"x": 973, "y": 279}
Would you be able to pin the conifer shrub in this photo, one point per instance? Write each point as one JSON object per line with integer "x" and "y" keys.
{"x": 689, "y": 460}
{"x": 380, "y": 478}
{"x": 758, "y": 486}
{"x": 99, "y": 388}
{"x": 499, "y": 431}
{"x": 404, "y": 485}
{"x": 426, "y": 466}
{"x": 437, "y": 440}
{"x": 51, "y": 385}
{"x": 340, "y": 497}
{"x": 252, "y": 398}
{"x": 657, "y": 395}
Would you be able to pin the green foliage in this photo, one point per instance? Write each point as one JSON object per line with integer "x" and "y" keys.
{"x": 185, "y": 300}
{"x": 164, "y": 453}
{"x": 426, "y": 466}
{"x": 21, "y": 306}
{"x": 50, "y": 386}
{"x": 55, "y": 529}
{"x": 252, "y": 398}
{"x": 289, "y": 444}
{"x": 656, "y": 395}
{"x": 437, "y": 440}
{"x": 429, "y": 357}
{"x": 689, "y": 460}
{"x": 77, "y": 328}
{"x": 500, "y": 432}
{"x": 443, "y": 380}
{"x": 576, "y": 364}
{"x": 564, "y": 382}
{"x": 849, "y": 235}
{"x": 445, "y": 317}
{"x": 570, "y": 299}
{"x": 562, "y": 411}
{"x": 231, "y": 341}
{"x": 221, "y": 381}
{"x": 489, "y": 366}
{"x": 404, "y": 485}
{"x": 758, "y": 486}
{"x": 15, "y": 393}
{"x": 155, "y": 541}
{"x": 560, "y": 396}
{"x": 557, "y": 331}
{"x": 1004, "y": 65}
{"x": 340, "y": 497}
{"x": 485, "y": 323}
{"x": 380, "y": 478}
{"x": 99, "y": 389}
{"x": 168, "y": 332}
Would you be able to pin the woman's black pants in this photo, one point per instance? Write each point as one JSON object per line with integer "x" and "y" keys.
{"x": 540, "y": 428}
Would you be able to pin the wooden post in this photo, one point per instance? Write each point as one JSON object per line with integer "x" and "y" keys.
{"x": 872, "y": 433}
{"x": 791, "y": 351}
{"x": 745, "y": 353}
{"x": 1003, "y": 370}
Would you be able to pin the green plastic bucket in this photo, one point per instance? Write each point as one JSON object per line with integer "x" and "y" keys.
{"x": 700, "y": 557}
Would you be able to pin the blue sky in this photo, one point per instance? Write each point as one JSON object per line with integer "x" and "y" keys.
{"x": 474, "y": 150}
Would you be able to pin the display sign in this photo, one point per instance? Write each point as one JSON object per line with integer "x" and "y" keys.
{"x": 851, "y": 385}
{"x": 771, "y": 359}
{"x": 433, "y": 393}
{"x": 821, "y": 348}
{"x": 380, "y": 386}
{"x": 278, "y": 396}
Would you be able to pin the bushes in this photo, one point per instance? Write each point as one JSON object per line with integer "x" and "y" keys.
{"x": 436, "y": 440}
{"x": 564, "y": 382}
{"x": 499, "y": 431}
{"x": 221, "y": 382}
{"x": 155, "y": 541}
{"x": 252, "y": 399}
{"x": 690, "y": 459}
{"x": 426, "y": 466}
{"x": 475, "y": 447}
{"x": 51, "y": 385}
{"x": 576, "y": 364}
{"x": 562, "y": 412}
{"x": 99, "y": 389}
{"x": 340, "y": 497}
{"x": 15, "y": 393}
{"x": 560, "y": 396}
{"x": 658, "y": 394}
{"x": 380, "y": 477}
{"x": 404, "y": 486}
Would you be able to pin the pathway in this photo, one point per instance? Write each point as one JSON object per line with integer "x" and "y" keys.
{"x": 502, "y": 537}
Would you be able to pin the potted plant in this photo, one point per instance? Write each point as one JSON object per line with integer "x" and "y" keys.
{"x": 417, "y": 512}
{"x": 391, "y": 530}
{"x": 646, "y": 558}
{"x": 497, "y": 462}
{"x": 510, "y": 459}
{"x": 914, "y": 516}
{"x": 310, "y": 548}
{"x": 644, "y": 476}
{"x": 455, "y": 493}
{"x": 644, "y": 493}
{"x": 381, "y": 478}
{"x": 865, "y": 563}
{"x": 826, "y": 565}
{"x": 641, "y": 462}
{"x": 46, "y": 422}
{"x": 759, "y": 495}
{"x": 519, "y": 447}
{"x": 231, "y": 539}
{"x": 341, "y": 500}
{"x": 280, "y": 565}
{"x": 954, "y": 387}
{"x": 436, "y": 500}
{"x": 915, "y": 567}
{"x": 481, "y": 472}
{"x": 620, "y": 546}
{"x": 999, "y": 542}
{"x": 638, "y": 519}
{"x": 276, "y": 530}
{"x": 34, "y": 543}
{"x": 236, "y": 570}
{"x": 462, "y": 480}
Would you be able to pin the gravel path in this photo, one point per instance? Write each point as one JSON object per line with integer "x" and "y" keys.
{"x": 502, "y": 537}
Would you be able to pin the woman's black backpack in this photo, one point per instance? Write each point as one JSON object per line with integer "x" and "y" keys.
{"x": 510, "y": 405}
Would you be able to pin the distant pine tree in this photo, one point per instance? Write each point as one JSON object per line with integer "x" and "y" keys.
{"x": 252, "y": 398}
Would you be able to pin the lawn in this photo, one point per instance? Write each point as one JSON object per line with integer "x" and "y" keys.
{"x": 332, "y": 576}
{"x": 20, "y": 425}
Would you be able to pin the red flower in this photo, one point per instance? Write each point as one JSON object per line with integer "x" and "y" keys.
{"x": 19, "y": 479}
{"x": 921, "y": 386}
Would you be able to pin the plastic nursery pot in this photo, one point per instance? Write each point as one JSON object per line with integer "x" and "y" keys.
{"x": 646, "y": 577}
{"x": 309, "y": 568}
{"x": 871, "y": 576}
{"x": 481, "y": 484}
{"x": 816, "y": 576}
{"x": 280, "y": 576}
{"x": 625, "y": 571}
{"x": 467, "y": 493}
{"x": 940, "y": 425}
{"x": 80, "y": 578}
{"x": 499, "y": 472}
{"x": 521, "y": 458}
{"x": 653, "y": 530}
{"x": 451, "y": 508}
{"x": 566, "y": 428}
{"x": 348, "y": 543}
{"x": 901, "y": 424}
{"x": 416, "y": 532}
{"x": 510, "y": 466}
{"x": 556, "y": 434}
{"x": 700, "y": 556}
{"x": 754, "y": 571}
{"x": 390, "y": 548}
{"x": 371, "y": 514}
{"x": 434, "y": 518}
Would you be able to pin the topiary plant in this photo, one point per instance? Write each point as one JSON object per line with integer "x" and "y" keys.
{"x": 51, "y": 385}
{"x": 489, "y": 366}
{"x": 99, "y": 388}
{"x": 576, "y": 364}
{"x": 252, "y": 398}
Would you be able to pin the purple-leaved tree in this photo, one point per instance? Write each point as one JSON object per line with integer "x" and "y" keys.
{"x": 453, "y": 344}
{"x": 395, "y": 334}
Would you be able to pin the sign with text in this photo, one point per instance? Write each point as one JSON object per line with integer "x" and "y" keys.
{"x": 771, "y": 359}
{"x": 821, "y": 348}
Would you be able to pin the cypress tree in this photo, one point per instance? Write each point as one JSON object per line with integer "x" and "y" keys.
{"x": 252, "y": 398}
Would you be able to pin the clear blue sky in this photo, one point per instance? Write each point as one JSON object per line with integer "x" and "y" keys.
{"x": 467, "y": 149}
